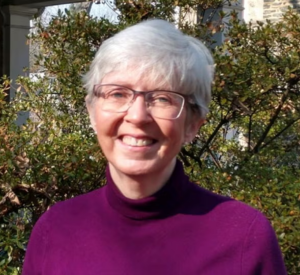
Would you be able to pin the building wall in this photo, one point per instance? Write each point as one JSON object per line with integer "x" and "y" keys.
{"x": 262, "y": 10}
{"x": 274, "y": 9}
{"x": 253, "y": 10}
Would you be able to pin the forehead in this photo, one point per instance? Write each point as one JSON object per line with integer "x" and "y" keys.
{"x": 134, "y": 78}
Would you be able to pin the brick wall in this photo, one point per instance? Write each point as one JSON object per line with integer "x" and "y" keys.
{"x": 273, "y": 9}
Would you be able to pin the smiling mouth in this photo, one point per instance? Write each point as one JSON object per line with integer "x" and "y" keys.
{"x": 137, "y": 141}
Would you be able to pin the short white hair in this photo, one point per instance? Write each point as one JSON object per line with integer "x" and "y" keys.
{"x": 157, "y": 49}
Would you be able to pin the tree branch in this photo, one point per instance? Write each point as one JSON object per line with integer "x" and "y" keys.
{"x": 249, "y": 133}
{"x": 212, "y": 136}
{"x": 215, "y": 160}
{"x": 271, "y": 123}
{"x": 278, "y": 134}
{"x": 15, "y": 204}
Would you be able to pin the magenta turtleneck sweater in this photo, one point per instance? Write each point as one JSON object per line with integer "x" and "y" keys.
{"x": 181, "y": 230}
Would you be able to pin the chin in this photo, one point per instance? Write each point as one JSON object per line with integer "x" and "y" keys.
{"x": 141, "y": 167}
{"x": 134, "y": 167}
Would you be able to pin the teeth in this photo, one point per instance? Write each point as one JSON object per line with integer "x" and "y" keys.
{"x": 137, "y": 141}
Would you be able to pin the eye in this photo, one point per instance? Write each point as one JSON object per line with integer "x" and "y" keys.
{"x": 161, "y": 99}
{"x": 118, "y": 94}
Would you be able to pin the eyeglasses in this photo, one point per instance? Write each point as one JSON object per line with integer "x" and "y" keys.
{"x": 160, "y": 103}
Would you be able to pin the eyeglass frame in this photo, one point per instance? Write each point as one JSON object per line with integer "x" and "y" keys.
{"x": 186, "y": 99}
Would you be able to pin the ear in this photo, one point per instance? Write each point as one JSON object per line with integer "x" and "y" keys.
{"x": 192, "y": 127}
{"x": 90, "y": 109}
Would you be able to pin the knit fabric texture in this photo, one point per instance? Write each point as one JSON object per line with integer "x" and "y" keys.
{"x": 182, "y": 229}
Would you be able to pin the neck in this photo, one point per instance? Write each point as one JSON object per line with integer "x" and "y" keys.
{"x": 141, "y": 186}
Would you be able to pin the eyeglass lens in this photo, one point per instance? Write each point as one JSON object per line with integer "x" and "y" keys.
{"x": 161, "y": 104}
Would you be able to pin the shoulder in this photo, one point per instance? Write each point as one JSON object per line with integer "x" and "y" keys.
{"x": 238, "y": 226}
{"x": 57, "y": 226}
{"x": 202, "y": 201}
{"x": 77, "y": 207}
{"x": 66, "y": 214}
{"x": 225, "y": 210}
{"x": 261, "y": 253}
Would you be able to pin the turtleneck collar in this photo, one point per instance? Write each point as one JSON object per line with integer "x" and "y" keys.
{"x": 163, "y": 203}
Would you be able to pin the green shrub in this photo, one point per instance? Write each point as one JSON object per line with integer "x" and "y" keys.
{"x": 55, "y": 155}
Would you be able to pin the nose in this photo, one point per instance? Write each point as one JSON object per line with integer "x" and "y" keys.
{"x": 138, "y": 112}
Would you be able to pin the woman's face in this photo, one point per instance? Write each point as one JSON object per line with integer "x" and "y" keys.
{"x": 134, "y": 142}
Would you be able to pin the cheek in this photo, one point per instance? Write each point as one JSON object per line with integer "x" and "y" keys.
{"x": 105, "y": 121}
{"x": 106, "y": 126}
{"x": 174, "y": 133}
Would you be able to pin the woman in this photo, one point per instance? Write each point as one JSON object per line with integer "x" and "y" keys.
{"x": 148, "y": 92}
